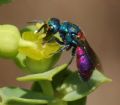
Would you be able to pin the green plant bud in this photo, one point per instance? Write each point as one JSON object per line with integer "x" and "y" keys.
{"x": 37, "y": 66}
{"x": 9, "y": 40}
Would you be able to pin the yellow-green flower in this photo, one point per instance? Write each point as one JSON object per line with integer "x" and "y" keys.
{"x": 41, "y": 51}
{"x": 41, "y": 57}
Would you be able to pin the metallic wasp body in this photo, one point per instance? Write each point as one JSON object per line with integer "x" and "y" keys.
{"x": 73, "y": 38}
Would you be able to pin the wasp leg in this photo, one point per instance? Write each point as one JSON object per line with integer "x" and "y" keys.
{"x": 43, "y": 26}
{"x": 73, "y": 51}
{"x": 60, "y": 42}
{"x": 48, "y": 41}
{"x": 63, "y": 48}
{"x": 73, "y": 55}
{"x": 57, "y": 40}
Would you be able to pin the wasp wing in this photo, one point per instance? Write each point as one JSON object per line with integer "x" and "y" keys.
{"x": 93, "y": 55}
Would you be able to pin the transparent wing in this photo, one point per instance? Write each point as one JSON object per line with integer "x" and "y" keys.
{"x": 93, "y": 55}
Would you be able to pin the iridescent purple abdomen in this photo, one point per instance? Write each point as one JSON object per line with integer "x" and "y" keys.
{"x": 84, "y": 63}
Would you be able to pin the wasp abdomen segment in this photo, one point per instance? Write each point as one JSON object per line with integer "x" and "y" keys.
{"x": 84, "y": 63}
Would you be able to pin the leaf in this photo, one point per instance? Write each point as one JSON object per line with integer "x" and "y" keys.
{"x": 74, "y": 88}
{"x": 43, "y": 76}
{"x": 5, "y": 1}
{"x": 60, "y": 77}
{"x": 17, "y": 96}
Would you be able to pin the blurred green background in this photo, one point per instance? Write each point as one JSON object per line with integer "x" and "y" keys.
{"x": 99, "y": 19}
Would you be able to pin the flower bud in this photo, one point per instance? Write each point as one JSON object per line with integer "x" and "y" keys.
{"x": 9, "y": 41}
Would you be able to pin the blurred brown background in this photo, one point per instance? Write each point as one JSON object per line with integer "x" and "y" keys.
{"x": 100, "y": 21}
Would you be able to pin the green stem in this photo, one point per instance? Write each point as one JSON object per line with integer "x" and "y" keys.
{"x": 48, "y": 91}
{"x": 47, "y": 88}
{"x": 25, "y": 43}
